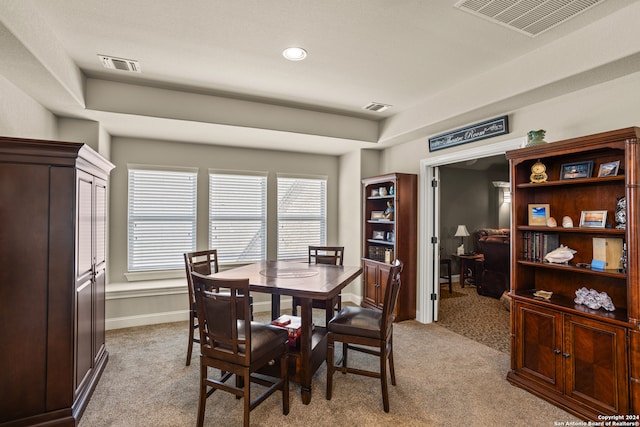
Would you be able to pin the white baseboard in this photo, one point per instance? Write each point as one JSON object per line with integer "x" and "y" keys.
{"x": 183, "y": 315}
{"x": 146, "y": 319}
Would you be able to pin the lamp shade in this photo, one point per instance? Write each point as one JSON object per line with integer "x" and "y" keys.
{"x": 462, "y": 231}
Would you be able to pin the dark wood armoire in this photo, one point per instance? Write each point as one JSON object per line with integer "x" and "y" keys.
{"x": 53, "y": 210}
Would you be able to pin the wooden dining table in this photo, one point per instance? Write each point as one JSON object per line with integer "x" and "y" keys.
{"x": 308, "y": 282}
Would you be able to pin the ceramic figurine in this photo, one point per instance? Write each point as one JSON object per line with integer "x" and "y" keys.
{"x": 536, "y": 137}
{"x": 621, "y": 213}
{"x": 388, "y": 213}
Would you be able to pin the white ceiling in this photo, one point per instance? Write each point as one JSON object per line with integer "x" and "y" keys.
{"x": 224, "y": 80}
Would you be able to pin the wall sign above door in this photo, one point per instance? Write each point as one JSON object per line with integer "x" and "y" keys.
{"x": 488, "y": 129}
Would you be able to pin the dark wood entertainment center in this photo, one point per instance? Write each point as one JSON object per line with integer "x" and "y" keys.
{"x": 584, "y": 360}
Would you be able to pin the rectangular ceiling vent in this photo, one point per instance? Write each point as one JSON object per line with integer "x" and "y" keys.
{"x": 530, "y": 17}
{"x": 376, "y": 107}
{"x": 120, "y": 64}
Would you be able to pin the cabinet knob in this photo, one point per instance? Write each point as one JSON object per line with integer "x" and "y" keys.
{"x": 566, "y": 355}
{"x": 557, "y": 351}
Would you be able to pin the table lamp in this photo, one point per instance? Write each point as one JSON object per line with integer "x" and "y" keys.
{"x": 461, "y": 232}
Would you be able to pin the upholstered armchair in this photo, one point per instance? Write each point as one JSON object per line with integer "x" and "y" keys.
{"x": 493, "y": 273}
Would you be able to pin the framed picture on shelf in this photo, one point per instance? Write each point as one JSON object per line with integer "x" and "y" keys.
{"x": 378, "y": 235}
{"x": 377, "y": 215}
{"x": 609, "y": 169}
{"x": 593, "y": 219}
{"x": 538, "y": 214}
{"x": 576, "y": 170}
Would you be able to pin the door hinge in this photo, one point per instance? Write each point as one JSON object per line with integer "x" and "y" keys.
{"x": 434, "y": 297}
{"x": 434, "y": 240}
{"x": 434, "y": 182}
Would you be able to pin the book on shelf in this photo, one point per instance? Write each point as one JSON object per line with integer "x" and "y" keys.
{"x": 537, "y": 244}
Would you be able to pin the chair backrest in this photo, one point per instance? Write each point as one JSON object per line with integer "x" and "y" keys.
{"x": 333, "y": 255}
{"x": 224, "y": 319}
{"x": 203, "y": 262}
{"x": 391, "y": 296}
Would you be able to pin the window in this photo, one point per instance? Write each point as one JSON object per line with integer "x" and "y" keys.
{"x": 302, "y": 215}
{"x": 162, "y": 218}
{"x": 238, "y": 217}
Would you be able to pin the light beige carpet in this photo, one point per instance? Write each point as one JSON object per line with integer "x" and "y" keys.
{"x": 480, "y": 318}
{"x": 443, "y": 379}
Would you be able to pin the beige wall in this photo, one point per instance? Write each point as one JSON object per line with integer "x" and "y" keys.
{"x": 603, "y": 107}
{"x": 599, "y": 108}
{"x": 204, "y": 157}
{"x": 22, "y": 117}
{"x": 607, "y": 106}
{"x": 127, "y": 302}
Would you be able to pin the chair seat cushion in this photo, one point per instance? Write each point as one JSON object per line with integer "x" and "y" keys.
{"x": 264, "y": 338}
{"x": 357, "y": 321}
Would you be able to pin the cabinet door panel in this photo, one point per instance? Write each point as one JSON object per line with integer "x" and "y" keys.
{"x": 100, "y": 219}
{"x": 370, "y": 277}
{"x": 383, "y": 275}
{"x": 84, "y": 236}
{"x": 595, "y": 355}
{"x": 538, "y": 340}
{"x": 84, "y": 329}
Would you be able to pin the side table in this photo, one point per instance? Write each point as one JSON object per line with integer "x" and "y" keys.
{"x": 467, "y": 266}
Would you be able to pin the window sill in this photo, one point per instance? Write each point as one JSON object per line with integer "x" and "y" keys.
{"x": 140, "y": 289}
{"x": 136, "y": 276}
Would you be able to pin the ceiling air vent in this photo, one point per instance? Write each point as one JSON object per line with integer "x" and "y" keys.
{"x": 531, "y": 17}
{"x": 376, "y": 107}
{"x": 120, "y": 64}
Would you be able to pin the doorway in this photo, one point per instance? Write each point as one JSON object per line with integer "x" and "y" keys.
{"x": 430, "y": 220}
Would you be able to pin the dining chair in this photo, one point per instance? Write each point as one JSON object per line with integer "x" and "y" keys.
{"x": 203, "y": 262}
{"x": 330, "y": 255}
{"x": 366, "y": 330}
{"x": 232, "y": 343}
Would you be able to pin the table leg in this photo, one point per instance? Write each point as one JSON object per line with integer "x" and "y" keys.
{"x": 275, "y": 306}
{"x": 462, "y": 271}
{"x": 305, "y": 350}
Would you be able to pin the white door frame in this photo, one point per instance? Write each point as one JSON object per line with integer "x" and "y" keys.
{"x": 428, "y": 268}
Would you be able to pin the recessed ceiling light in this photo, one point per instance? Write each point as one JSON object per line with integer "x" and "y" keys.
{"x": 294, "y": 53}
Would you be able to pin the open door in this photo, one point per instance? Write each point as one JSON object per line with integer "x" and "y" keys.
{"x": 434, "y": 233}
{"x": 429, "y": 219}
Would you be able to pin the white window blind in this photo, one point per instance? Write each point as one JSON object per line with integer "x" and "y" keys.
{"x": 238, "y": 217}
{"x": 162, "y": 218}
{"x": 302, "y": 215}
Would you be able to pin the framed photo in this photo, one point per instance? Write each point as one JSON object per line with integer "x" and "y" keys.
{"x": 378, "y": 235}
{"x": 538, "y": 214}
{"x": 609, "y": 169}
{"x": 576, "y": 170}
{"x": 377, "y": 215}
{"x": 593, "y": 219}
